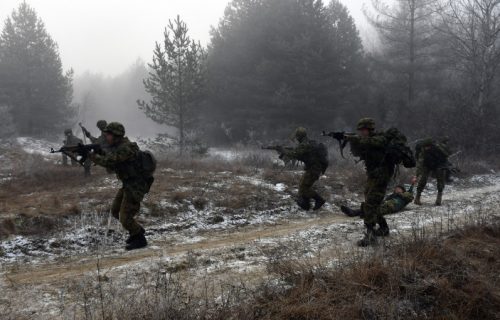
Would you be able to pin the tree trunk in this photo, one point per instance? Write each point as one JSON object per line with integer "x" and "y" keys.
{"x": 411, "y": 66}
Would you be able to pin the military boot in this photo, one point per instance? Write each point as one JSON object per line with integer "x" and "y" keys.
{"x": 418, "y": 201}
{"x": 350, "y": 212}
{"x": 439, "y": 199}
{"x": 304, "y": 203}
{"x": 383, "y": 230}
{"x": 318, "y": 202}
{"x": 137, "y": 241}
{"x": 369, "y": 238}
{"x": 129, "y": 239}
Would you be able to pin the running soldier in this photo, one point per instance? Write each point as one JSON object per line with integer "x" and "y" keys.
{"x": 314, "y": 155}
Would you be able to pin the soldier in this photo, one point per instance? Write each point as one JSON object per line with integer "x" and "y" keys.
{"x": 101, "y": 140}
{"x": 393, "y": 203}
{"x": 432, "y": 160}
{"x": 370, "y": 147}
{"x": 72, "y": 140}
{"x": 315, "y": 158}
{"x": 123, "y": 157}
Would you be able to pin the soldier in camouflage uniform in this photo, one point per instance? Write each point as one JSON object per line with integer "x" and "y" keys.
{"x": 122, "y": 157}
{"x": 101, "y": 140}
{"x": 432, "y": 160}
{"x": 393, "y": 203}
{"x": 315, "y": 159}
{"x": 370, "y": 147}
{"x": 72, "y": 140}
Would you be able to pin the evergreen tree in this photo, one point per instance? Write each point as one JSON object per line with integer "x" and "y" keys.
{"x": 276, "y": 64}
{"x": 176, "y": 81}
{"x": 31, "y": 75}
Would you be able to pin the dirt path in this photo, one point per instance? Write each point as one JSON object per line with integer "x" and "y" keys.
{"x": 78, "y": 266}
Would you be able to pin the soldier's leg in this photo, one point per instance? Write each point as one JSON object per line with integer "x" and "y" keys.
{"x": 117, "y": 204}
{"x": 441, "y": 181}
{"x": 305, "y": 191}
{"x": 128, "y": 210}
{"x": 422, "y": 182}
{"x": 375, "y": 193}
{"x": 86, "y": 167}
{"x": 64, "y": 160}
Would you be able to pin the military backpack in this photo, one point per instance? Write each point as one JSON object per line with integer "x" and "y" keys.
{"x": 147, "y": 163}
{"x": 321, "y": 154}
{"x": 397, "y": 151}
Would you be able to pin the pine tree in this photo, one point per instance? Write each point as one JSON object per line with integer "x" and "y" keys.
{"x": 277, "y": 64}
{"x": 176, "y": 81}
{"x": 31, "y": 75}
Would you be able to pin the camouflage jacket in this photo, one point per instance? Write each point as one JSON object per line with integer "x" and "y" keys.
{"x": 370, "y": 149}
{"x": 306, "y": 153}
{"x": 72, "y": 141}
{"x": 401, "y": 199}
{"x": 101, "y": 140}
{"x": 122, "y": 159}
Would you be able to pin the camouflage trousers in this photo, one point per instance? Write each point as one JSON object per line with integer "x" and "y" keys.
{"x": 390, "y": 206}
{"x": 375, "y": 189}
{"x": 424, "y": 174}
{"x": 125, "y": 207}
{"x": 306, "y": 186}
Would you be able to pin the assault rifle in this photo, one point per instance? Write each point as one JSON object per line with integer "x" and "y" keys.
{"x": 80, "y": 152}
{"x": 340, "y": 136}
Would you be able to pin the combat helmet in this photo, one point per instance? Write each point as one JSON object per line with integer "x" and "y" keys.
{"x": 101, "y": 124}
{"x": 115, "y": 128}
{"x": 300, "y": 134}
{"x": 68, "y": 132}
{"x": 366, "y": 123}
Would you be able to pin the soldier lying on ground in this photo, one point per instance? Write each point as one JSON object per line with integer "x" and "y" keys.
{"x": 393, "y": 203}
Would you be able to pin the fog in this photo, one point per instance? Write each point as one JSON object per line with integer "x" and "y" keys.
{"x": 108, "y": 36}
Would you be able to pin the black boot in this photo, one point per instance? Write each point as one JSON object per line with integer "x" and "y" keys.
{"x": 318, "y": 202}
{"x": 350, "y": 212}
{"x": 137, "y": 242}
{"x": 383, "y": 230}
{"x": 369, "y": 238}
{"x": 304, "y": 203}
{"x": 129, "y": 239}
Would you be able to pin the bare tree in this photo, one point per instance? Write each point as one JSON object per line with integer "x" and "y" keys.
{"x": 407, "y": 35}
{"x": 473, "y": 28}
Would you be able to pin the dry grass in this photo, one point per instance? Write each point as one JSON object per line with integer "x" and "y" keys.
{"x": 451, "y": 278}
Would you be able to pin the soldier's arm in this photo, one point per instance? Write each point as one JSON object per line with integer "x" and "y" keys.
{"x": 111, "y": 159}
{"x": 408, "y": 196}
{"x": 377, "y": 141}
{"x": 297, "y": 153}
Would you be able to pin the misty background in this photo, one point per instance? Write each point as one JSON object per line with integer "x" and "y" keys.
{"x": 250, "y": 71}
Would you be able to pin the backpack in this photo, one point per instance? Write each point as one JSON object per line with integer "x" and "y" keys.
{"x": 147, "y": 163}
{"x": 435, "y": 157}
{"x": 397, "y": 150}
{"x": 321, "y": 155}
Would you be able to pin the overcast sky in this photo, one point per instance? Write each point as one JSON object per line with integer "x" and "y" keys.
{"x": 107, "y": 36}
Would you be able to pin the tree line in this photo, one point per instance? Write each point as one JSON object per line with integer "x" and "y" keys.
{"x": 272, "y": 65}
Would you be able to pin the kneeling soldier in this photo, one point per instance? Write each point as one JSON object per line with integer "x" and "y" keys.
{"x": 123, "y": 157}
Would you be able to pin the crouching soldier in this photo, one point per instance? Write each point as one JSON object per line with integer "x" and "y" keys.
{"x": 125, "y": 159}
{"x": 432, "y": 160}
{"x": 393, "y": 203}
{"x": 315, "y": 158}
